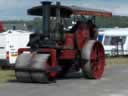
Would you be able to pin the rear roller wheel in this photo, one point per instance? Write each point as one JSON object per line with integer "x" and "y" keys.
{"x": 94, "y": 59}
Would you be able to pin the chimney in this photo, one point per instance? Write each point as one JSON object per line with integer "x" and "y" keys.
{"x": 46, "y": 17}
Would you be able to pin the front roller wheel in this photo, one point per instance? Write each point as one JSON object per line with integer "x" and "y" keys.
{"x": 40, "y": 77}
{"x": 22, "y": 62}
{"x": 40, "y": 61}
{"x": 94, "y": 59}
{"x": 26, "y": 66}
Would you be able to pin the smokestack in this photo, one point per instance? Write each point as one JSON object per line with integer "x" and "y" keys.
{"x": 57, "y": 34}
{"x": 46, "y": 17}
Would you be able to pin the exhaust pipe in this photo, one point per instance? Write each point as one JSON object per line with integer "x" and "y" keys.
{"x": 46, "y": 17}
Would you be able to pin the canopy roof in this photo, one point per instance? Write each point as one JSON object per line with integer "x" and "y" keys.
{"x": 66, "y": 11}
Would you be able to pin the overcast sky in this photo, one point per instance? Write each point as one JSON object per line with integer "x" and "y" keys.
{"x": 16, "y": 9}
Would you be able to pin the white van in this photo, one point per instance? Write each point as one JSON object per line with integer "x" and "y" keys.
{"x": 10, "y": 42}
{"x": 115, "y": 41}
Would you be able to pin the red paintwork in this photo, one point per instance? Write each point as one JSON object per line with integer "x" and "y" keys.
{"x": 82, "y": 35}
{"x": 97, "y": 60}
{"x": 68, "y": 52}
{"x": 7, "y": 55}
{"x": 21, "y": 50}
{"x": 92, "y": 13}
{"x": 1, "y": 27}
{"x": 69, "y": 41}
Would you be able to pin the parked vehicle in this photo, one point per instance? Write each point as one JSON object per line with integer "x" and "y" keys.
{"x": 115, "y": 41}
{"x": 1, "y": 27}
{"x": 101, "y": 33}
{"x": 10, "y": 42}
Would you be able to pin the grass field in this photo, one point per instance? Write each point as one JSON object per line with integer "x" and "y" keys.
{"x": 117, "y": 60}
{"x": 8, "y": 75}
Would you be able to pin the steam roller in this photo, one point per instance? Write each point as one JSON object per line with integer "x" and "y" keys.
{"x": 56, "y": 50}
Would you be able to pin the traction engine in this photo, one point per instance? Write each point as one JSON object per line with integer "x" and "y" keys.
{"x": 54, "y": 52}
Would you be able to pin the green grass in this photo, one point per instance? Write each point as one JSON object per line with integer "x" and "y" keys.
{"x": 117, "y": 60}
{"x": 6, "y": 75}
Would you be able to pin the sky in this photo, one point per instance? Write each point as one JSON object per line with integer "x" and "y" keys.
{"x": 17, "y": 9}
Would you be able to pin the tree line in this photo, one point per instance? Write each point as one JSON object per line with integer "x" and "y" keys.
{"x": 106, "y": 22}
